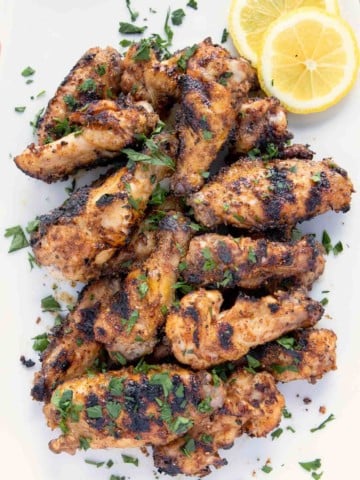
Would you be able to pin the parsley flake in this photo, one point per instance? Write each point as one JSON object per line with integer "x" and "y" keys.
{"x": 18, "y": 241}
{"x": 133, "y": 15}
{"x": 322, "y": 425}
{"x": 40, "y": 342}
{"x": 224, "y": 36}
{"x": 276, "y": 433}
{"x": 130, "y": 29}
{"x": 94, "y": 412}
{"x": 130, "y": 459}
{"x": 189, "y": 447}
{"x": 20, "y": 109}
{"x": 192, "y": 4}
{"x": 164, "y": 380}
{"x": 312, "y": 465}
{"x": 28, "y": 72}
{"x": 49, "y": 304}
{"x": 177, "y": 16}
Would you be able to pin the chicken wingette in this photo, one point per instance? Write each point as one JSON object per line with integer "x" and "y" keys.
{"x": 95, "y": 76}
{"x": 304, "y": 355}
{"x": 250, "y": 263}
{"x": 86, "y": 231}
{"x": 260, "y": 122}
{"x": 126, "y": 408}
{"x": 148, "y": 77}
{"x": 102, "y": 130}
{"x": 252, "y": 405}
{"x": 202, "y": 336}
{"x": 256, "y": 195}
{"x": 73, "y": 349}
{"x": 204, "y": 120}
{"x": 129, "y": 323}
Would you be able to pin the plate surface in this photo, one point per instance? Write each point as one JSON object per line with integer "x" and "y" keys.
{"x": 50, "y": 36}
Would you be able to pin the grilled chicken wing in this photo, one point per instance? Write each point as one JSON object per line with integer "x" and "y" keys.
{"x": 86, "y": 231}
{"x": 250, "y": 263}
{"x": 129, "y": 409}
{"x": 104, "y": 128}
{"x": 204, "y": 120}
{"x": 214, "y": 63}
{"x": 307, "y": 355}
{"x": 150, "y": 79}
{"x": 128, "y": 324}
{"x": 202, "y": 336}
{"x": 260, "y": 121}
{"x": 73, "y": 348}
{"x": 95, "y": 76}
{"x": 252, "y": 194}
{"x": 253, "y": 405}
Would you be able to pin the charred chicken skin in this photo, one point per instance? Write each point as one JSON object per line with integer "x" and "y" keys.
{"x": 256, "y": 195}
{"x": 129, "y": 323}
{"x": 250, "y": 263}
{"x": 204, "y": 120}
{"x": 307, "y": 355}
{"x": 86, "y": 231}
{"x": 124, "y": 408}
{"x": 252, "y": 405}
{"x": 96, "y": 76}
{"x": 260, "y": 122}
{"x": 103, "y": 129}
{"x": 73, "y": 349}
{"x": 201, "y": 336}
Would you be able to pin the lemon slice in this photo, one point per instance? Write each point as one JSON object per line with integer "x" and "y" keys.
{"x": 248, "y": 20}
{"x": 309, "y": 60}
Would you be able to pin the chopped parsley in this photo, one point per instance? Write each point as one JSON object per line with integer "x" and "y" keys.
{"x": 209, "y": 263}
{"x": 283, "y": 368}
{"x": 49, "y": 304}
{"x": 143, "y": 286}
{"x": 116, "y": 477}
{"x": 322, "y": 425}
{"x": 189, "y": 447}
{"x": 312, "y": 465}
{"x": 206, "y": 438}
{"x": 40, "y": 342}
{"x": 120, "y": 358}
{"x": 324, "y": 301}
{"x": 164, "y": 380}
{"x": 113, "y": 409}
{"x": 125, "y": 43}
{"x": 266, "y": 469}
{"x": 94, "y": 412}
{"x": 116, "y": 386}
{"x": 316, "y": 177}
{"x": 185, "y": 57}
{"x": 28, "y": 72}
{"x": 207, "y": 135}
{"x": 130, "y": 459}
{"x": 87, "y": 86}
{"x": 158, "y": 196}
{"x": 70, "y": 101}
{"x": 286, "y": 342}
{"x": 327, "y": 244}
{"x": 84, "y": 443}
{"x": 156, "y": 156}
{"x": 32, "y": 261}
{"x": 239, "y": 218}
{"x": 204, "y": 406}
{"x": 18, "y": 240}
{"x": 36, "y": 122}
{"x": 20, "y": 109}
{"x": 252, "y": 256}
{"x": 286, "y": 413}
{"x": 192, "y": 4}
{"x": 181, "y": 425}
{"x": 133, "y": 15}
{"x": 183, "y": 287}
{"x": 224, "y": 36}
{"x": 95, "y": 463}
{"x": 276, "y": 433}
{"x": 177, "y": 16}
{"x": 253, "y": 363}
{"x": 167, "y": 29}
{"x": 65, "y": 406}
{"x": 130, "y": 29}
{"x": 100, "y": 69}
{"x": 131, "y": 321}
{"x": 223, "y": 79}
{"x": 143, "y": 367}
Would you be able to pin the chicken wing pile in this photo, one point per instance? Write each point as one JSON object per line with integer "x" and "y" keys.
{"x": 186, "y": 246}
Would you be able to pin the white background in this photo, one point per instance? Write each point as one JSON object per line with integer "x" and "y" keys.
{"x": 50, "y": 36}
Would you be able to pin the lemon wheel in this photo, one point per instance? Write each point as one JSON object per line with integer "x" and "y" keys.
{"x": 309, "y": 60}
{"x": 248, "y": 20}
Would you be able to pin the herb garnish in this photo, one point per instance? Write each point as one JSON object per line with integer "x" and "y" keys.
{"x": 88, "y": 85}
{"x": 94, "y": 412}
{"x": 327, "y": 244}
{"x": 130, "y": 459}
{"x": 130, "y": 29}
{"x": 18, "y": 241}
{"x": 49, "y": 304}
{"x": 185, "y": 57}
{"x": 266, "y": 469}
{"x": 95, "y": 463}
{"x": 224, "y": 36}
{"x": 253, "y": 363}
{"x": 116, "y": 386}
{"x": 28, "y": 72}
{"x": 131, "y": 321}
{"x": 252, "y": 255}
{"x": 84, "y": 443}
{"x": 286, "y": 342}
{"x": 192, "y": 4}
{"x": 177, "y": 16}
{"x": 209, "y": 263}
{"x": 20, "y": 109}
{"x": 167, "y": 29}
{"x": 65, "y": 406}
{"x": 312, "y": 465}
{"x": 133, "y": 15}
{"x": 322, "y": 425}
{"x": 164, "y": 380}
{"x": 40, "y": 342}
{"x": 113, "y": 409}
{"x": 276, "y": 433}
{"x": 189, "y": 447}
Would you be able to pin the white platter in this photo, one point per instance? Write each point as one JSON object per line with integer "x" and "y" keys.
{"x": 50, "y": 36}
